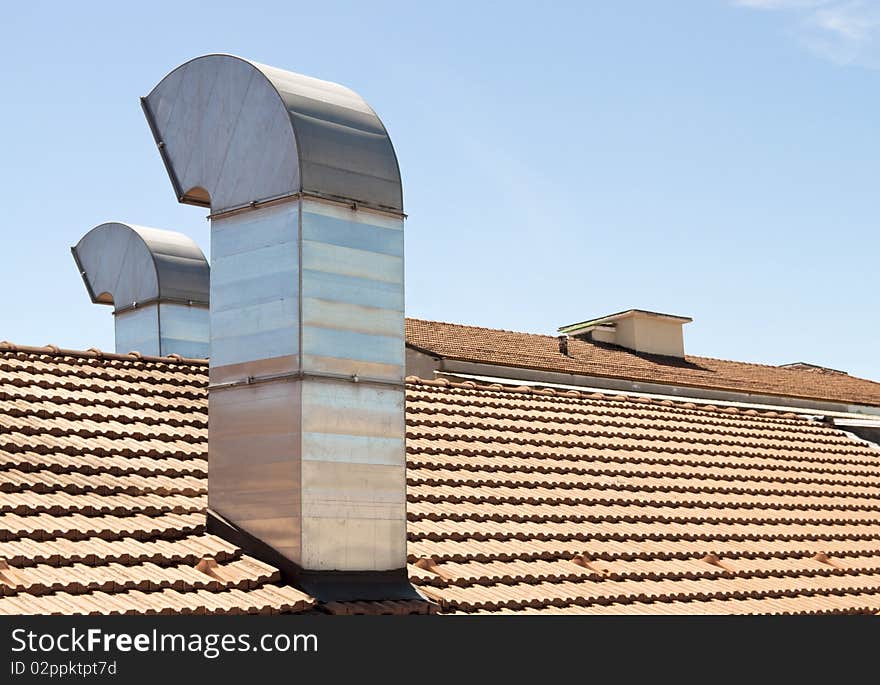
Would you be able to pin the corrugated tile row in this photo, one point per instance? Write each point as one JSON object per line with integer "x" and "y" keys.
{"x": 521, "y": 500}
{"x": 103, "y": 483}
{"x": 527, "y": 500}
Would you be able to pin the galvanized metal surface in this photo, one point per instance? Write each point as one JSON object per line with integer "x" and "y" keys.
{"x": 255, "y": 287}
{"x": 137, "y": 330}
{"x": 163, "y": 328}
{"x": 352, "y": 292}
{"x": 233, "y": 132}
{"x": 157, "y": 281}
{"x": 353, "y": 477}
{"x": 184, "y": 330}
{"x": 306, "y": 299}
{"x": 254, "y": 454}
{"x": 306, "y": 296}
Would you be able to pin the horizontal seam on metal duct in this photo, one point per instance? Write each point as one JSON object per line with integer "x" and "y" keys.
{"x": 305, "y": 195}
{"x": 303, "y": 375}
{"x": 162, "y": 300}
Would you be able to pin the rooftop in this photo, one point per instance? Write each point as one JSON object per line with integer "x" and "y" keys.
{"x": 604, "y": 360}
{"x": 520, "y": 499}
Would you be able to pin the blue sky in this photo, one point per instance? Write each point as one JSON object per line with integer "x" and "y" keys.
{"x": 561, "y": 161}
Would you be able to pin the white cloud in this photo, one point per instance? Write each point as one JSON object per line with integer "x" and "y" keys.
{"x": 844, "y": 31}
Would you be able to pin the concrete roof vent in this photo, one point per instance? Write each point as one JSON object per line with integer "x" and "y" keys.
{"x": 635, "y": 329}
{"x": 157, "y": 282}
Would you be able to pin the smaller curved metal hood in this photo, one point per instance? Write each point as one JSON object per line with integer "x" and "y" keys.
{"x": 157, "y": 282}
{"x": 125, "y": 265}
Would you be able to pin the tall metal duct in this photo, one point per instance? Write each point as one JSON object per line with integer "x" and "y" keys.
{"x": 157, "y": 282}
{"x": 306, "y": 447}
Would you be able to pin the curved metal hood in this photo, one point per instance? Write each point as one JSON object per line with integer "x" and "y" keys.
{"x": 234, "y": 132}
{"x": 126, "y": 265}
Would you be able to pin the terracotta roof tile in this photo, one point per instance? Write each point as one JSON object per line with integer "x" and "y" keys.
{"x": 103, "y": 471}
{"x": 521, "y": 501}
{"x": 509, "y": 348}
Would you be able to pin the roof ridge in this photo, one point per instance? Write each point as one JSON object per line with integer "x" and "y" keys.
{"x": 95, "y": 353}
{"x": 719, "y": 407}
{"x": 482, "y": 328}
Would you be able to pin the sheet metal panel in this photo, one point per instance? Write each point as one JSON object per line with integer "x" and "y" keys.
{"x": 184, "y": 330}
{"x": 352, "y": 305}
{"x": 254, "y": 475}
{"x": 362, "y": 291}
{"x": 353, "y": 453}
{"x": 255, "y": 286}
{"x": 353, "y": 476}
{"x": 137, "y": 330}
{"x": 337, "y": 413}
{"x": 353, "y": 482}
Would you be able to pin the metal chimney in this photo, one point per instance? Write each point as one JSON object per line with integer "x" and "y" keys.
{"x": 306, "y": 447}
{"x": 156, "y": 281}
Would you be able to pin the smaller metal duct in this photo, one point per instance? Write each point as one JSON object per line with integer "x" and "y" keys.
{"x": 157, "y": 282}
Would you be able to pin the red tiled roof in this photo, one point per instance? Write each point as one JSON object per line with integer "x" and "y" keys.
{"x": 508, "y": 348}
{"x": 531, "y": 500}
{"x": 519, "y": 500}
{"x": 103, "y": 475}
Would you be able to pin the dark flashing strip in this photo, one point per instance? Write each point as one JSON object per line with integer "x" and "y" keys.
{"x": 324, "y": 586}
